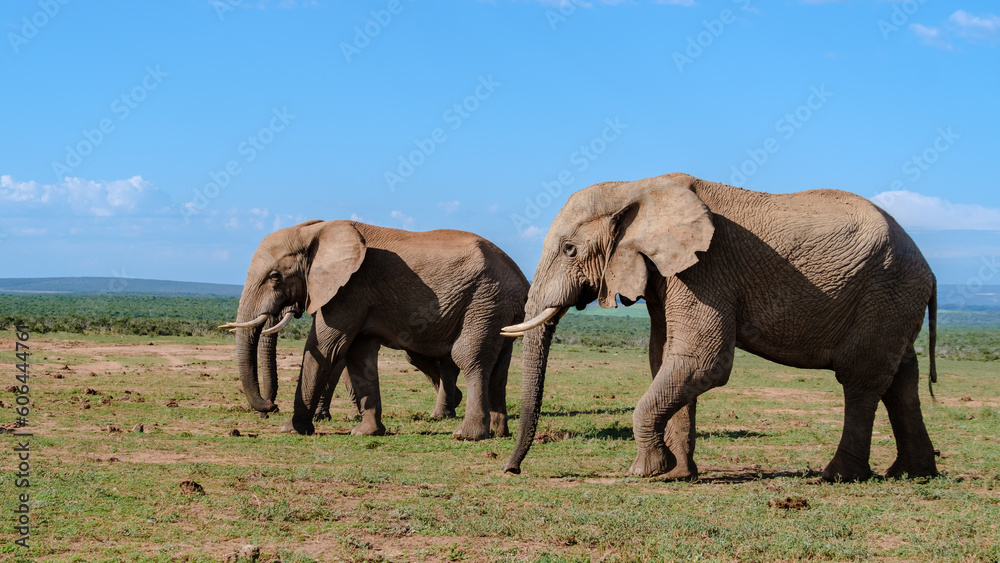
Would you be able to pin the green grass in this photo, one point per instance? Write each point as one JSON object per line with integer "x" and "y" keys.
{"x": 416, "y": 494}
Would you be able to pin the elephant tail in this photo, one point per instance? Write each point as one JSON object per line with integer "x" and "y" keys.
{"x": 932, "y": 336}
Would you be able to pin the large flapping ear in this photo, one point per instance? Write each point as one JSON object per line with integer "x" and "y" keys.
{"x": 667, "y": 224}
{"x": 335, "y": 252}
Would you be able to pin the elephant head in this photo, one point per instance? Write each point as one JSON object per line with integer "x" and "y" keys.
{"x": 296, "y": 269}
{"x": 605, "y": 241}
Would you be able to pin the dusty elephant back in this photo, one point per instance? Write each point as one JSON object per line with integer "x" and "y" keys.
{"x": 810, "y": 265}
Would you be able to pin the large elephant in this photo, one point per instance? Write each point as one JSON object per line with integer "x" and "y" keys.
{"x": 442, "y": 296}
{"x": 818, "y": 279}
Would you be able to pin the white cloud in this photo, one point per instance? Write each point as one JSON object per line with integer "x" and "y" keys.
{"x": 93, "y": 198}
{"x": 358, "y": 218}
{"x": 969, "y": 25}
{"x": 913, "y": 210}
{"x": 282, "y": 220}
{"x": 531, "y": 232}
{"x": 449, "y": 207}
{"x": 930, "y": 36}
{"x": 234, "y": 223}
{"x": 408, "y": 222}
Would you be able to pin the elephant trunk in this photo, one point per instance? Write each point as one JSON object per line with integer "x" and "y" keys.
{"x": 247, "y": 341}
{"x": 534, "y": 359}
{"x": 267, "y": 358}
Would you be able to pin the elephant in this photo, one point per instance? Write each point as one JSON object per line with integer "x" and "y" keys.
{"x": 442, "y": 296}
{"x": 819, "y": 279}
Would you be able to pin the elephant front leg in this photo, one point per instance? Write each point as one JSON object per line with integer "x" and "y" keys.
{"x": 679, "y": 439}
{"x": 313, "y": 378}
{"x": 362, "y": 367}
{"x": 675, "y": 388}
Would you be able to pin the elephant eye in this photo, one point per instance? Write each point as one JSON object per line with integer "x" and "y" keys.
{"x": 569, "y": 249}
{"x": 276, "y": 276}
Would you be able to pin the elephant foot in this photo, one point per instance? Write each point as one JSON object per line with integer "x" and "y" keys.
{"x": 909, "y": 467}
{"x": 839, "y": 470}
{"x": 369, "y": 428}
{"x": 441, "y": 412}
{"x": 298, "y": 426}
{"x": 498, "y": 425}
{"x": 687, "y": 471}
{"x": 322, "y": 415}
{"x": 473, "y": 430}
{"x": 653, "y": 461}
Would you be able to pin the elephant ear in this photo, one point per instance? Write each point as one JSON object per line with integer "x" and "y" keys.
{"x": 664, "y": 227}
{"x": 336, "y": 251}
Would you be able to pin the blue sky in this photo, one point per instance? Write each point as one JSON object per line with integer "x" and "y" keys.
{"x": 165, "y": 139}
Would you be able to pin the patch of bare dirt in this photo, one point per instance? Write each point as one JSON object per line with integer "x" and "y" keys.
{"x": 789, "y": 503}
{"x": 782, "y": 395}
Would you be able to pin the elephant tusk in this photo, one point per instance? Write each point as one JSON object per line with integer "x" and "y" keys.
{"x": 512, "y": 334}
{"x": 547, "y": 314}
{"x": 284, "y": 322}
{"x": 259, "y": 320}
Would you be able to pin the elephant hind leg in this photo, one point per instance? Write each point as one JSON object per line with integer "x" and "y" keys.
{"x": 362, "y": 367}
{"x": 443, "y": 375}
{"x": 861, "y": 397}
{"x": 498, "y": 392}
{"x": 326, "y": 397}
{"x": 914, "y": 451}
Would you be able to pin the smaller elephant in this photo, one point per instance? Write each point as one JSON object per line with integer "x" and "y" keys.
{"x": 442, "y": 296}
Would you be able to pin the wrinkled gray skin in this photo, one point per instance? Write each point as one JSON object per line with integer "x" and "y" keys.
{"x": 442, "y": 296}
{"x": 819, "y": 279}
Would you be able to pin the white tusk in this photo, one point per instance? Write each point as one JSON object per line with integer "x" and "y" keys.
{"x": 232, "y": 330}
{"x": 512, "y": 334}
{"x": 284, "y": 322}
{"x": 547, "y": 314}
{"x": 259, "y": 320}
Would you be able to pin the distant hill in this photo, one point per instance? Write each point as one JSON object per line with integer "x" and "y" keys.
{"x": 950, "y": 297}
{"x": 115, "y": 286}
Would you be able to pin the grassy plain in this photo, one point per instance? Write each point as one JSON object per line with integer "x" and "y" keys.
{"x": 102, "y": 491}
